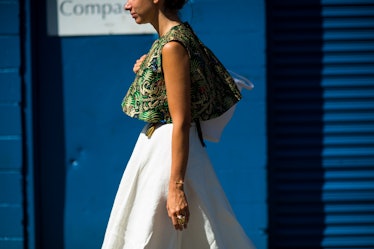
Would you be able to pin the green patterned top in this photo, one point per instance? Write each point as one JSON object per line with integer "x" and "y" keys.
{"x": 213, "y": 90}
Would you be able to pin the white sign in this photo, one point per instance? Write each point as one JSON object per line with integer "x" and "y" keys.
{"x": 92, "y": 17}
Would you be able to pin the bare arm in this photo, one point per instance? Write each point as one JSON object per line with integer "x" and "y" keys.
{"x": 176, "y": 67}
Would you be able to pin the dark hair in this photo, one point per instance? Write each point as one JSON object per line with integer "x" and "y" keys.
{"x": 175, "y": 5}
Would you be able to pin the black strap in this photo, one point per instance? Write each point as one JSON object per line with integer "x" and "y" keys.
{"x": 199, "y": 132}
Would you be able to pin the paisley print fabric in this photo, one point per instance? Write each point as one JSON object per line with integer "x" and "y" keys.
{"x": 213, "y": 90}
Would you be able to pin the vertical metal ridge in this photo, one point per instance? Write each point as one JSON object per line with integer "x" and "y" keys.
{"x": 321, "y": 123}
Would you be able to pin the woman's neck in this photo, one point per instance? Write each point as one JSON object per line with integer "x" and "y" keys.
{"x": 165, "y": 21}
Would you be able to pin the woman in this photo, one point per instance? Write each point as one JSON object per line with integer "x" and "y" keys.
{"x": 169, "y": 196}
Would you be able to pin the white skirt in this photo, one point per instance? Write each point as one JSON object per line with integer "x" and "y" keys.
{"x": 139, "y": 217}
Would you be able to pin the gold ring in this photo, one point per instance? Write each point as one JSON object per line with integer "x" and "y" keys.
{"x": 181, "y": 219}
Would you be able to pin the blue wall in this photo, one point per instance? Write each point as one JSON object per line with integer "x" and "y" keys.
{"x": 11, "y": 136}
{"x": 64, "y": 141}
{"x": 238, "y": 39}
{"x": 99, "y": 137}
{"x": 75, "y": 141}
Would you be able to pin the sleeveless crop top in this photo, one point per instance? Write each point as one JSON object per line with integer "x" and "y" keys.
{"x": 213, "y": 90}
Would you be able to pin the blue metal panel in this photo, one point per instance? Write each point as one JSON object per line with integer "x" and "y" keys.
{"x": 99, "y": 137}
{"x": 321, "y": 124}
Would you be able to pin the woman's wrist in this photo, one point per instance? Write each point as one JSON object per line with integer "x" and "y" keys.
{"x": 176, "y": 184}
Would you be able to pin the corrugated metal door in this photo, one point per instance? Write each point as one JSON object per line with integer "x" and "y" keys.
{"x": 321, "y": 123}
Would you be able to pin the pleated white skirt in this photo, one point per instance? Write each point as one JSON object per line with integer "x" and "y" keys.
{"x": 139, "y": 217}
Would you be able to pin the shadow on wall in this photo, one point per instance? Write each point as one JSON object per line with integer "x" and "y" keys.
{"x": 49, "y": 134}
{"x": 295, "y": 124}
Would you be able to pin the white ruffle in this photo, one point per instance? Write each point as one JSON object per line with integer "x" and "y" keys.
{"x": 212, "y": 129}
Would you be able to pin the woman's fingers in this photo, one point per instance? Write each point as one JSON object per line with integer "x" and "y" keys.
{"x": 176, "y": 225}
{"x": 138, "y": 63}
{"x": 177, "y": 208}
{"x": 180, "y": 218}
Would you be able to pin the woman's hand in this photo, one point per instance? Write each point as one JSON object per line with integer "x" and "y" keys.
{"x": 177, "y": 207}
{"x": 138, "y": 63}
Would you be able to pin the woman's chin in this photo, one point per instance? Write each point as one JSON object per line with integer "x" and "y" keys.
{"x": 138, "y": 20}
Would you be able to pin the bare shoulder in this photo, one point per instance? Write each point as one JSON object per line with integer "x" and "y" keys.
{"x": 174, "y": 48}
